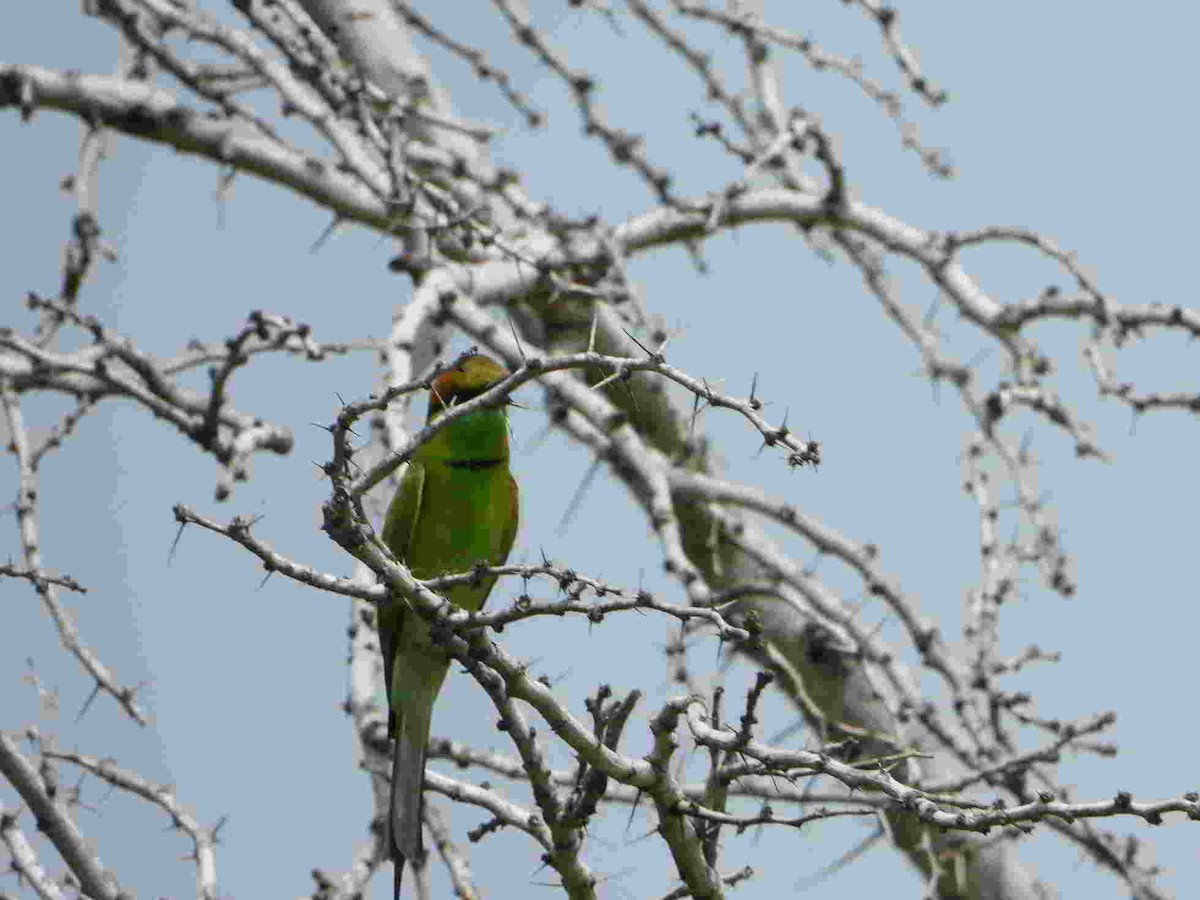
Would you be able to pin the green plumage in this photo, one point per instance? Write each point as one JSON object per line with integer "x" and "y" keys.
{"x": 456, "y": 506}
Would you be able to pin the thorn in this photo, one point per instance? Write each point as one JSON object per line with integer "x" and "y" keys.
{"x": 695, "y": 413}
{"x": 329, "y": 229}
{"x": 637, "y": 409}
{"x": 930, "y": 313}
{"x": 537, "y": 440}
{"x": 979, "y": 357}
{"x": 577, "y": 498}
{"x": 516, "y": 337}
{"x": 87, "y": 704}
{"x": 436, "y": 393}
{"x": 640, "y": 344}
{"x": 224, "y": 181}
{"x": 175, "y": 543}
{"x": 604, "y": 382}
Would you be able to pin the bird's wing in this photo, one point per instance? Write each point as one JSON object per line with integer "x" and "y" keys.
{"x": 510, "y": 530}
{"x": 398, "y": 530}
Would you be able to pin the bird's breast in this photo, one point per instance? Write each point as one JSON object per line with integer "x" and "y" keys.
{"x": 465, "y": 515}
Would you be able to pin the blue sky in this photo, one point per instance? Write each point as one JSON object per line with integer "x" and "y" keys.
{"x": 1072, "y": 118}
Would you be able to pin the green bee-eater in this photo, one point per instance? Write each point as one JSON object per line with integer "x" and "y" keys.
{"x": 456, "y": 507}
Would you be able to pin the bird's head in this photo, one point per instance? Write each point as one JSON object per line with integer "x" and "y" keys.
{"x": 471, "y": 377}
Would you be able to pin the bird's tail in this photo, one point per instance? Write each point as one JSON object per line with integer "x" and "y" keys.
{"x": 408, "y": 777}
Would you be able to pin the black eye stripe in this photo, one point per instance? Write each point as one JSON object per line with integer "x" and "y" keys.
{"x": 440, "y": 400}
{"x": 463, "y": 396}
{"x": 475, "y": 464}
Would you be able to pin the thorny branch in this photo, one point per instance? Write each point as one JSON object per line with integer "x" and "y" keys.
{"x": 388, "y": 154}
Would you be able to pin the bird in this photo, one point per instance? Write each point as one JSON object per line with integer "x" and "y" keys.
{"x": 457, "y": 506}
